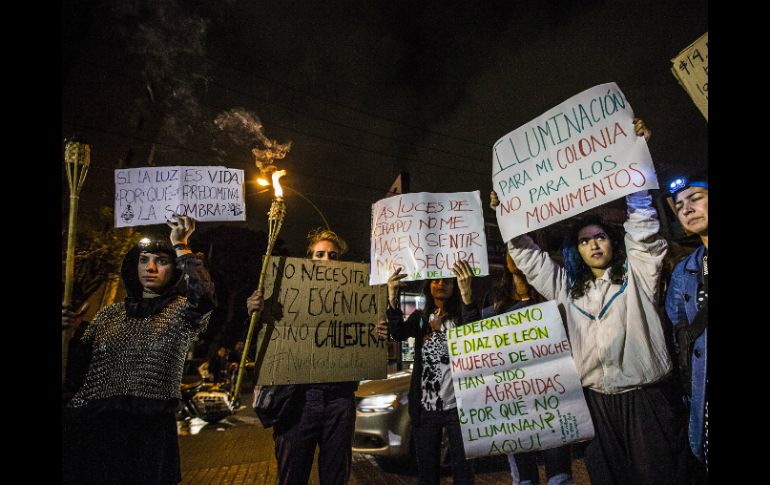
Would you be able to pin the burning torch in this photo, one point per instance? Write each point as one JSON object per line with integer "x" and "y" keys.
{"x": 275, "y": 217}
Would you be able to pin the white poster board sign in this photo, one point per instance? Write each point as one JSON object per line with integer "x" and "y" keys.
{"x": 516, "y": 384}
{"x": 150, "y": 195}
{"x": 425, "y": 234}
{"x": 579, "y": 155}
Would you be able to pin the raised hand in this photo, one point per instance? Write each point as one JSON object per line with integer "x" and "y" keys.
{"x": 394, "y": 286}
{"x": 181, "y": 228}
{"x": 493, "y": 200}
{"x": 464, "y": 274}
{"x": 641, "y": 129}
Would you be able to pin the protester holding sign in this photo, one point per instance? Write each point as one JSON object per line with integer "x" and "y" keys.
{"x": 512, "y": 292}
{"x": 120, "y": 426}
{"x": 608, "y": 289}
{"x": 317, "y": 414}
{"x": 432, "y": 404}
{"x": 687, "y": 307}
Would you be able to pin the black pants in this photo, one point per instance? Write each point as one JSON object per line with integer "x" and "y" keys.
{"x": 556, "y": 461}
{"x": 639, "y": 438}
{"x": 322, "y": 420}
{"x": 427, "y": 438}
{"x": 120, "y": 448}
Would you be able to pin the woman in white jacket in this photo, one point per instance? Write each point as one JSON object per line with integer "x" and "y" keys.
{"x": 607, "y": 290}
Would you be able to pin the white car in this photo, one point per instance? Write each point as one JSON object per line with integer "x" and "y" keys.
{"x": 383, "y": 424}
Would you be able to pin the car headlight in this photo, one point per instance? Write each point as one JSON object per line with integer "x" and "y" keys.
{"x": 378, "y": 404}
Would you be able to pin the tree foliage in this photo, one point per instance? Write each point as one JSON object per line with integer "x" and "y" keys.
{"x": 99, "y": 251}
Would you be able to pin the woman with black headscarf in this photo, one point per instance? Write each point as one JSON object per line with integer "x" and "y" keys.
{"x": 120, "y": 426}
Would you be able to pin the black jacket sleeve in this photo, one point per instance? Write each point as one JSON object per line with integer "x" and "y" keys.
{"x": 201, "y": 298}
{"x": 469, "y": 313}
{"x": 399, "y": 329}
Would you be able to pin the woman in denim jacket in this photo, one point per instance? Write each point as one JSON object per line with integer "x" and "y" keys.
{"x": 687, "y": 295}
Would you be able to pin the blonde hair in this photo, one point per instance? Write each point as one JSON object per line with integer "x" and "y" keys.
{"x": 321, "y": 234}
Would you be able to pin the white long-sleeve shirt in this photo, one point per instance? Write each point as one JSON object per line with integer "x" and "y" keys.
{"x": 616, "y": 337}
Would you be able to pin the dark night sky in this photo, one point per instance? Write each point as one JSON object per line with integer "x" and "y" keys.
{"x": 362, "y": 89}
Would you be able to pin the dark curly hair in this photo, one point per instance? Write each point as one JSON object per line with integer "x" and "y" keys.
{"x": 579, "y": 275}
{"x": 504, "y": 289}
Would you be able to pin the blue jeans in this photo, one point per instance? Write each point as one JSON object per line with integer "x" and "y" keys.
{"x": 558, "y": 467}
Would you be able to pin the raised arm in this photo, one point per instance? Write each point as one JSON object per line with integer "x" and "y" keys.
{"x": 200, "y": 294}
{"x": 400, "y": 329}
{"x": 255, "y": 303}
{"x": 397, "y": 327}
{"x": 469, "y": 311}
{"x": 645, "y": 248}
{"x": 540, "y": 270}
{"x": 547, "y": 277}
{"x": 200, "y": 288}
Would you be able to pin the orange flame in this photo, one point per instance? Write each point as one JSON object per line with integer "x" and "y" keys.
{"x": 276, "y": 185}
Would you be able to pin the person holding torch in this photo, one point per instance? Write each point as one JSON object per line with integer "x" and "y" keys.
{"x": 322, "y": 414}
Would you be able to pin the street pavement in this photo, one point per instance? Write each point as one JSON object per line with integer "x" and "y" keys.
{"x": 239, "y": 451}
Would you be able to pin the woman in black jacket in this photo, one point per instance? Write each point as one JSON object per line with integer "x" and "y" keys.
{"x": 432, "y": 404}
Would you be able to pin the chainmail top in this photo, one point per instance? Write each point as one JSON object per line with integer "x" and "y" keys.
{"x": 141, "y": 357}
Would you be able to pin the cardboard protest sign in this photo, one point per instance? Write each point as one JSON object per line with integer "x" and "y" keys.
{"x": 318, "y": 323}
{"x": 425, "y": 234}
{"x": 516, "y": 384}
{"x": 691, "y": 68}
{"x": 579, "y": 155}
{"x": 150, "y": 195}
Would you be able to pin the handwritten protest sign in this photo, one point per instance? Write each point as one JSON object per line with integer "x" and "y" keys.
{"x": 516, "y": 384}
{"x": 319, "y": 322}
{"x": 579, "y": 155}
{"x": 149, "y": 195}
{"x": 691, "y": 68}
{"x": 425, "y": 234}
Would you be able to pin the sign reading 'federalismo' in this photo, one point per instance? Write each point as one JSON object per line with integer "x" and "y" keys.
{"x": 516, "y": 384}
